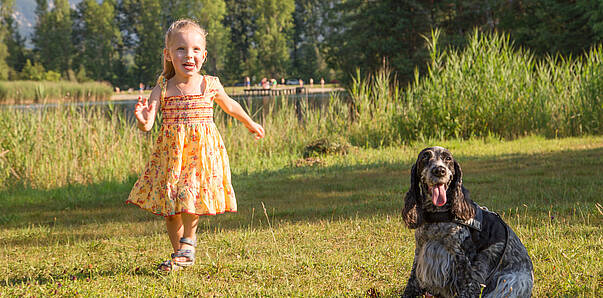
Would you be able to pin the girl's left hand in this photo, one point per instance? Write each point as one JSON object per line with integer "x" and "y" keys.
{"x": 256, "y": 129}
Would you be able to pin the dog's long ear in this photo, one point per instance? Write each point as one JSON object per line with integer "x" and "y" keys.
{"x": 461, "y": 206}
{"x": 412, "y": 212}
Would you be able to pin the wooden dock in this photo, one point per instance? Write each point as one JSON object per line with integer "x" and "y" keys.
{"x": 274, "y": 91}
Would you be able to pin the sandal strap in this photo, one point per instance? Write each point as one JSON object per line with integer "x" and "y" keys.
{"x": 188, "y": 241}
{"x": 168, "y": 264}
{"x": 185, "y": 253}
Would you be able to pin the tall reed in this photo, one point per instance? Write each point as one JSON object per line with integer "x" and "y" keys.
{"x": 491, "y": 88}
{"x": 19, "y": 92}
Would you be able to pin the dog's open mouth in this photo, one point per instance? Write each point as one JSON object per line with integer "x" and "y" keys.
{"x": 438, "y": 194}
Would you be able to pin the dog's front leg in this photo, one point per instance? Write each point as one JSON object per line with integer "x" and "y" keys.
{"x": 413, "y": 289}
{"x": 466, "y": 285}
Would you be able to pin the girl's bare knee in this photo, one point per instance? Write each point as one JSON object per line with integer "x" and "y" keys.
{"x": 172, "y": 218}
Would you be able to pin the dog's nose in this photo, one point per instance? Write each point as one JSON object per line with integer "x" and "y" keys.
{"x": 439, "y": 171}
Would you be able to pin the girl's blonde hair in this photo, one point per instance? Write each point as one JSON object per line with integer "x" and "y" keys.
{"x": 182, "y": 24}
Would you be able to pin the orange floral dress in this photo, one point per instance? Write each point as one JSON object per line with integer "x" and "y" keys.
{"x": 188, "y": 171}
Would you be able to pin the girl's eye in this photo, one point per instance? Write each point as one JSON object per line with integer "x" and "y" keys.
{"x": 180, "y": 49}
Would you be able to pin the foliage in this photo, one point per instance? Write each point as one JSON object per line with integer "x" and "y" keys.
{"x": 52, "y": 36}
{"x": 259, "y": 38}
{"x": 551, "y": 27}
{"x": 144, "y": 21}
{"x": 6, "y": 8}
{"x": 239, "y": 22}
{"x": 310, "y": 26}
{"x": 210, "y": 15}
{"x": 273, "y": 18}
{"x": 122, "y": 41}
{"x": 36, "y": 72}
{"x": 98, "y": 38}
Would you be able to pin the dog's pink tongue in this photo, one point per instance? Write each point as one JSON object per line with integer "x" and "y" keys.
{"x": 438, "y": 195}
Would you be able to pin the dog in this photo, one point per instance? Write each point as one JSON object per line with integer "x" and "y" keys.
{"x": 462, "y": 249}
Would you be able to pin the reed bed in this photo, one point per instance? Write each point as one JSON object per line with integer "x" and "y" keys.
{"x": 491, "y": 88}
{"x": 25, "y": 92}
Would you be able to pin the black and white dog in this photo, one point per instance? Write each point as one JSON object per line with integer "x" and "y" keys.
{"x": 462, "y": 249}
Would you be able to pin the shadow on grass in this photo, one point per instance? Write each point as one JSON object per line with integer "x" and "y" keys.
{"x": 539, "y": 182}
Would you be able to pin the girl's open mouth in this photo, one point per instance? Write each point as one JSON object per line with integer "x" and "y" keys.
{"x": 189, "y": 66}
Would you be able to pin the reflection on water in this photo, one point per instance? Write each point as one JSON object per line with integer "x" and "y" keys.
{"x": 257, "y": 106}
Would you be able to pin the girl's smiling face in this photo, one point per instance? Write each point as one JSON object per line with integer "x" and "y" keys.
{"x": 186, "y": 51}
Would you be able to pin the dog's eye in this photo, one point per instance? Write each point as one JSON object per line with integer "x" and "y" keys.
{"x": 448, "y": 158}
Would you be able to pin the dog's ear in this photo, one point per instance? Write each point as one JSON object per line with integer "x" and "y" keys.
{"x": 412, "y": 212}
{"x": 461, "y": 206}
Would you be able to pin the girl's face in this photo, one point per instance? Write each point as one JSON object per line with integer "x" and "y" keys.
{"x": 186, "y": 51}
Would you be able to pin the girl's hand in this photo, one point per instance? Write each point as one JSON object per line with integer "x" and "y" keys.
{"x": 256, "y": 129}
{"x": 143, "y": 111}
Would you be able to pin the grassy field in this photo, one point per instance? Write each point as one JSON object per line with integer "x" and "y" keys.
{"x": 326, "y": 230}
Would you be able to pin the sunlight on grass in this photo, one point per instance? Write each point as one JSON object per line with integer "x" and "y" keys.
{"x": 334, "y": 229}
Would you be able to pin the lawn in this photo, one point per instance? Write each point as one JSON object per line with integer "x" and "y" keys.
{"x": 332, "y": 229}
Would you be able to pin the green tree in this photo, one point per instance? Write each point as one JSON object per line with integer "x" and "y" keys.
{"x": 52, "y": 36}
{"x": 144, "y": 23}
{"x": 239, "y": 22}
{"x": 6, "y": 7}
{"x": 210, "y": 15}
{"x": 310, "y": 28}
{"x": 98, "y": 38}
{"x": 273, "y": 20}
{"x": 551, "y": 26}
{"x": 365, "y": 34}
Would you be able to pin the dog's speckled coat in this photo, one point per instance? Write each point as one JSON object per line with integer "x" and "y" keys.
{"x": 459, "y": 247}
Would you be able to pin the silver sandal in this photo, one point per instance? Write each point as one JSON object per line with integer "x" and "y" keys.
{"x": 188, "y": 253}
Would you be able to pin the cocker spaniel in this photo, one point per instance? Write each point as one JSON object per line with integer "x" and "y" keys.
{"x": 462, "y": 249}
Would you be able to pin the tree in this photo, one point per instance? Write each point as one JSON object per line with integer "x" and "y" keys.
{"x": 241, "y": 27}
{"x": 210, "y": 15}
{"x": 365, "y": 34}
{"x": 98, "y": 38}
{"x": 309, "y": 30}
{"x": 550, "y": 27}
{"x": 144, "y": 23}
{"x": 273, "y": 20}
{"x": 52, "y": 36}
{"x": 6, "y": 7}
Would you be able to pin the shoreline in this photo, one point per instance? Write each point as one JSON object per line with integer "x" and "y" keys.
{"x": 133, "y": 96}
{"x": 231, "y": 91}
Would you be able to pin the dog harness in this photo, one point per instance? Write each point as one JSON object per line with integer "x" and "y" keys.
{"x": 483, "y": 227}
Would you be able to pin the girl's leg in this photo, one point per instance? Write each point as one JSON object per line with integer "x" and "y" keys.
{"x": 175, "y": 230}
{"x": 189, "y": 222}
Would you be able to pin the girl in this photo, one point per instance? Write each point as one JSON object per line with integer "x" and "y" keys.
{"x": 188, "y": 173}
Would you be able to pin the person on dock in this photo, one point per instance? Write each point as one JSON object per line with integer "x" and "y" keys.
{"x": 188, "y": 173}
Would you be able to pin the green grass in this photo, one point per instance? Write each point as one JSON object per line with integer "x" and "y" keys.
{"x": 27, "y": 92}
{"x": 330, "y": 230}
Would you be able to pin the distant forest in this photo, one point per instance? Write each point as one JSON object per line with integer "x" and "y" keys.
{"x": 121, "y": 41}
